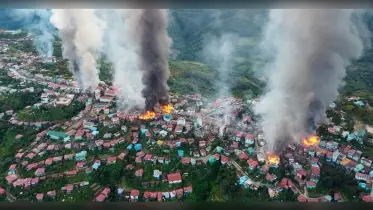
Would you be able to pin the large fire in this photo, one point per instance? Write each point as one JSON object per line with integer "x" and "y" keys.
{"x": 273, "y": 159}
{"x": 167, "y": 109}
{"x": 311, "y": 141}
{"x": 148, "y": 115}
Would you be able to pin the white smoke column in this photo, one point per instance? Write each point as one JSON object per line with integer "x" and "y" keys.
{"x": 121, "y": 49}
{"x": 37, "y": 22}
{"x": 219, "y": 53}
{"x": 311, "y": 50}
{"x": 81, "y": 33}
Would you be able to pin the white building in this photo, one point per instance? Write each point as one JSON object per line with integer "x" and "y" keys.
{"x": 45, "y": 98}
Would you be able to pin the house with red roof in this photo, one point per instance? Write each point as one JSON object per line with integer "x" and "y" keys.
{"x": 140, "y": 154}
{"x": 253, "y": 164}
{"x": 111, "y": 160}
{"x": 235, "y": 145}
{"x": 40, "y": 172}
{"x": 225, "y": 160}
{"x": 174, "y": 178}
{"x": 367, "y": 198}
{"x": 35, "y": 181}
{"x": 27, "y": 182}
{"x": 146, "y": 195}
{"x": 188, "y": 189}
{"x": 69, "y": 188}
{"x": 249, "y": 139}
{"x": 71, "y": 173}
{"x": 2, "y": 191}
{"x": 129, "y": 166}
{"x": 68, "y": 157}
{"x": 185, "y": 161}
{"x": 138, "y": 160}
{"x": 159, "y": 196}
{"x": 284, "y": 184}
{"x": 30, "y": 155}
{"x": 337, "y": 197}
{"x": 243, "y": 156}
{"x": 57, "y": 159}
{"x": 313, "y": 200}
{"x": 148, "y": 157}
{"x": 271, "y": 177}
{"x": 100, "y": 198}
{"x": 110, "y": 92}
{"x": 48, "y": 161}
{"x": 310, "y": 185}
{"x": 12, "y": 169}
{"x": 40, "y": 196}
{"x": 301, "y": 198}
{"x": 18, "y": 183}
{"x": 315, "y": 174}
{"x": 134, "y": 196}
{"x": 139, "y": 172}
{"x": 80, "y": 165}
{"x": 103, "y": 195}
{"x": 52, "y": 193}
{"x": 239, "y": 136}
{"x": 301, "y": 174}
{"x": 79, "y": 134}
{"x": 19, "y": 155}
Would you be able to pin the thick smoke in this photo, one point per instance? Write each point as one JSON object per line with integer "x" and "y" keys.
{"x": 311, "y": 50}
{"x": 37, "y": 22}
{"x": 121, "y": 47}
{"x": 81, "y": 32}
{"x": 154, "y": 51}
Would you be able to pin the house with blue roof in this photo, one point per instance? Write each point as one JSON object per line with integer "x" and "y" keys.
{"x": 138, "y": 147}
{"x": 219, "y": 149}
{"x": 143, "y": 131}
{"x": 371, "y": 174}
{"x": 242, "y": 180}
{"x": 81, "y": 156}
{"x": 92, "y": 128}
{"x": 359, "y": 103}
{"x": 129, "y": 147}
{"x": 250, "y": 151}
{"x": 180, "y": 152}
{"x": 351, "y": 137}
{"x": 359, "y": 167}
{"x": 96, "y": 165}
{"x": 212, "y": 159}
{"x": 58, "y": 136}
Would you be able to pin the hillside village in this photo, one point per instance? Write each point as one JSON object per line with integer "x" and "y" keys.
{"x": 101, "y": 153}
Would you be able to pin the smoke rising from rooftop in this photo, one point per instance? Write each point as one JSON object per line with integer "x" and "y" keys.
{"x": 121, "y": 47}
{"x": 81, "y": 32}
{"x": 311, "y": 50}
{"x": 154, "y": 51}
{"x": 37, "y": 22}
{"x": 218, "y": 52}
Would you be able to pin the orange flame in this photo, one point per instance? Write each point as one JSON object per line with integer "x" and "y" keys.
{"x": 148, "y": 115}
{"x": 273, "y": 159}
{"x": 311, "y": 141}
{"x": 167, "y": 108}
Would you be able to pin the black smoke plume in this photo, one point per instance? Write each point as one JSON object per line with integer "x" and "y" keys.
{"x": 154, "y": 50}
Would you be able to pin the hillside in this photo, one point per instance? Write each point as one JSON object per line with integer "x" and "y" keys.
{"x": 191, "y": 28}
{"x": 187, "y": 77}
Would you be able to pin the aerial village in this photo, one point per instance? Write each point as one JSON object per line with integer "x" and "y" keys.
{"x": 158, "y": 149}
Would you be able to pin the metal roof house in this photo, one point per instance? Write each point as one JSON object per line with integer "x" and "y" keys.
{"x": 58, "y": 136}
